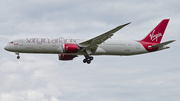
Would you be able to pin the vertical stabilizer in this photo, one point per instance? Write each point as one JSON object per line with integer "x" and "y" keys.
{"x": 157, "y": 33}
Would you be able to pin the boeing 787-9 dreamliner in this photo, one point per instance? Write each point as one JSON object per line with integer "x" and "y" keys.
{"x": 67, "y": 49}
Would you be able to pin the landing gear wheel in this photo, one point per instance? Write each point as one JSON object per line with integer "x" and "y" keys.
{"x": 18, "y": 57}
{"x": 85, "y": 60}
{"x": 91, "y": 58}
{"x": 89, "y": 61}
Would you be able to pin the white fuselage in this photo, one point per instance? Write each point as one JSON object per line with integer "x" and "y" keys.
{"x": 54, "y": 46}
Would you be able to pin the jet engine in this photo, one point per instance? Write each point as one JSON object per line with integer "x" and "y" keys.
{"x": 66, "y": 57}
{"x": 70, "y": 48}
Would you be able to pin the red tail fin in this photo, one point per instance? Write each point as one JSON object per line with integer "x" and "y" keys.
{"x": 157, "y": 33}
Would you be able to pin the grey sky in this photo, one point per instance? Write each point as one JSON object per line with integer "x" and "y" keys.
{"x": 38, "y": 77}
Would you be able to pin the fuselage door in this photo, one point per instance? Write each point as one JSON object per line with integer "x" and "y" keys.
{"x": 137, "y": 46}
{"x": 21, "y": 43}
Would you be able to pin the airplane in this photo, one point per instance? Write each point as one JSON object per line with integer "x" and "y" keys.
{"x": 68, "y": 49}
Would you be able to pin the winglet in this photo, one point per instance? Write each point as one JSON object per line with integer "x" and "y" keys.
{"x": 128, "y": 23}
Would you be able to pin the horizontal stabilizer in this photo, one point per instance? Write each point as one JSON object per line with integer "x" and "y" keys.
{"x": 162, "y": 44}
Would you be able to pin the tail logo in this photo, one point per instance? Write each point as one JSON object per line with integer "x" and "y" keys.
{"x": 155, "y": 37}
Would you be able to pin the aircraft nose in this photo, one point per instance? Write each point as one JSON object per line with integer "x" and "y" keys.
{"x": 6, "y": 47}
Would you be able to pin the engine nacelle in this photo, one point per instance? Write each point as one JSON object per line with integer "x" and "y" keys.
{"x": 70, "y": 48}
{"x": 66, "y": 57}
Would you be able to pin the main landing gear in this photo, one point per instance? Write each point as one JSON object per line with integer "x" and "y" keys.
{"x": 88, "y": 59}
{"x": 18, "y": 57}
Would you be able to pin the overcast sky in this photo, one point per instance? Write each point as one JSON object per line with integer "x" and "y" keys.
{"x": 147, "y": 77}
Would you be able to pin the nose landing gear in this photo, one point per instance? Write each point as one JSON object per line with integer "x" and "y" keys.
{"x": 18, "y": 57}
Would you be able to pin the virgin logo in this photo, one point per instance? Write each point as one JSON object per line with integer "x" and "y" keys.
{"x": 155, "y": 37}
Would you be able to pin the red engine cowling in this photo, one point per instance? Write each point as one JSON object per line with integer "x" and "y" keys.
{"x": 66, "y": 57}
{"x": 70, "y": 48}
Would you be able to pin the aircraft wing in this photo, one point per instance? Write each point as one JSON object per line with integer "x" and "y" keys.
{"x": 91, "y": 45}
